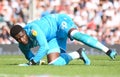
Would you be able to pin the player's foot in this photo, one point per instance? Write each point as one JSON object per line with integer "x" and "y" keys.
{"x": 83, "y": 56}
{"x": 112, "y": 53}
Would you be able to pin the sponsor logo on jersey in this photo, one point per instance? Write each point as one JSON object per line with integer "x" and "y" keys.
{"x": 34, "y": 33}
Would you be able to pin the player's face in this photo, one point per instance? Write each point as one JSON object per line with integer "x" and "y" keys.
{"x": 22, "y": 37}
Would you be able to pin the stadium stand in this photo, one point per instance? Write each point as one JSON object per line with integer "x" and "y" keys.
{"x": 98, "y": 18}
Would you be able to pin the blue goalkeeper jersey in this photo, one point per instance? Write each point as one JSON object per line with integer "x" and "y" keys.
{"x": 41, "y": 31}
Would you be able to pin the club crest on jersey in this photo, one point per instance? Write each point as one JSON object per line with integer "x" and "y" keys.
{"x": 34, "y": 33}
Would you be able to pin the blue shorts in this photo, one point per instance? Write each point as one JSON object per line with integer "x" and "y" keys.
{"x": 57, "y": 46}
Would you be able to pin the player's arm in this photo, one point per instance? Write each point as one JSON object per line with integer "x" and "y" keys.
{"x": 41, "y": 39}
{"x": 29, "y": 55}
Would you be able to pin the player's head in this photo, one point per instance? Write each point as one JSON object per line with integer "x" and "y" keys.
{"x": 18, "y": 33}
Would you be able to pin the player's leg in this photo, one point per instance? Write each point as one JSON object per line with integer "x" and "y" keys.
{"x": 69, "y": 27}
{"x": 90, "y": 41}
{"x": 65, "y": 58}
{"x": 56, "y": 57}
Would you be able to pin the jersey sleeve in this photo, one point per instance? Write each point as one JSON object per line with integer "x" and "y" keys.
{"x": 42, "y": 42}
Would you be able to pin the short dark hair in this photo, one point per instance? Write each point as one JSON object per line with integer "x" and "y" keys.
{"x": 15, "y": 30}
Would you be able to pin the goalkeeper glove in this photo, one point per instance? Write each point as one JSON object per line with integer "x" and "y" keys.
{"x": 31, "y": 62}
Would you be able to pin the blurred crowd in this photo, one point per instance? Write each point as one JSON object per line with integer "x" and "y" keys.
{"x": 98, "y": 18}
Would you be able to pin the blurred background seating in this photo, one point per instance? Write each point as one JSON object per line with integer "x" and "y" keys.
{"x": 98, "y": 18}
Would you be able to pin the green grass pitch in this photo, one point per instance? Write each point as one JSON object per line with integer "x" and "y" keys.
{"x": 101, "y": 66}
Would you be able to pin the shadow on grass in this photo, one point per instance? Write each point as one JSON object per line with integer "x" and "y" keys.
{"x": 12, "y": 64}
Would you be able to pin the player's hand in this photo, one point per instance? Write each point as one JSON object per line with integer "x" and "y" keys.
{"x": 41, "y": 62}
{"x": 31, "y": 62}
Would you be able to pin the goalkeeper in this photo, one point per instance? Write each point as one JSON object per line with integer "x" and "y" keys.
{"x": 50, "y": 33}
